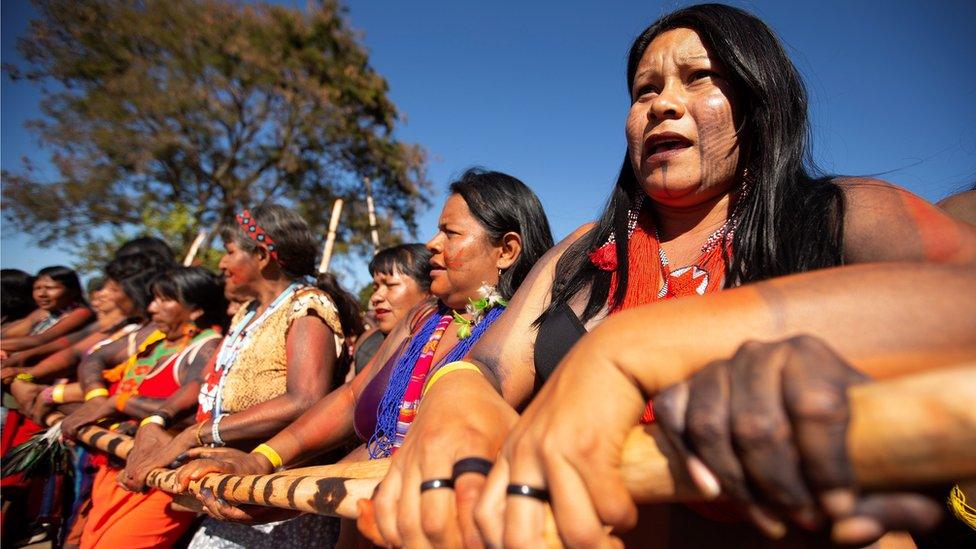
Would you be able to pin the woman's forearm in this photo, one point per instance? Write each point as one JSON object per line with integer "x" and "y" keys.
{"x": 324, "y": 426}
{"x": 59, "y": 364}
{"x": 886, "y": 319}
{"x": 261, "y": 421}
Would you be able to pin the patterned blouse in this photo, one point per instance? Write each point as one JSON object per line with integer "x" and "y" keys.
{"x": 260, "y": 371}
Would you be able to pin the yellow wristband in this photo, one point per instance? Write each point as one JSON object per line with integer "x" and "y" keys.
{"x": 57, "y": 393}
{"x": 24, "y": 376}
{"x": 446, "y": 369}
{"x": 157, "y": 419}
{"x": 95, "y": 393}
{"x": 269, "y": 453}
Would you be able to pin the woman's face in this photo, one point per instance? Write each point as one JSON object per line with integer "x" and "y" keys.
{"x": 463, "y": 258}
{"x": 241, "y": 269}
{"x": 49, "y": 294}
{"x": 394, "y": 294}
{"x": 101, "y": 304}
{"x": 681, "y": 132}
{"x": 170, "y": 315}
{"x": 112, "y": 293}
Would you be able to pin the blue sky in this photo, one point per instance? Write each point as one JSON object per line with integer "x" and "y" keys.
{"x": 537, "y": 89}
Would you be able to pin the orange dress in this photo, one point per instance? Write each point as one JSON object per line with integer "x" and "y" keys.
{"x": 119, "y": 518}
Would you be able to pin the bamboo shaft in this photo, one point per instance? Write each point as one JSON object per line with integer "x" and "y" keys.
{"x": 371, "y": 209}
{"x": 330, "y": 239}
{"x": 194, "y": 248}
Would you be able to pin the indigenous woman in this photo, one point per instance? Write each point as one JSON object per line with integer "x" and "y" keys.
{"x": 491, "y": 231}
{"x": 187, "y": 311}
{"x": 120, "y": 309}
{"x": 713, "y": 194}
{"x": 401, "y": 280}
{"x": 61, "y": 309}
{"x": 277, "y": 360}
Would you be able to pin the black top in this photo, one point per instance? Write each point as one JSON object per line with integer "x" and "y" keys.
{"x": 557, "y": 334}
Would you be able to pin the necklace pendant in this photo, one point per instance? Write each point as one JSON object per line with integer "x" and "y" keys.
{"x": 690, "y": 280}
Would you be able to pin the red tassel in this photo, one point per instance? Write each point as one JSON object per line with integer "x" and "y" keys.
{"x": 605, "y": 257}
{"x": 648, "y": 415}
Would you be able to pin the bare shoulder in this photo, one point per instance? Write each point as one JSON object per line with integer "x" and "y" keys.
{"x": 961, "y": 206}
{"x": 884, "y": 222}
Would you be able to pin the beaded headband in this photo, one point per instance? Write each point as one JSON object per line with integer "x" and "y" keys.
{"x": 257, "y": 234}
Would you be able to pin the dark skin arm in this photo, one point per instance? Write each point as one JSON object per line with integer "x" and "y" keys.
{"x": 35, "y": 354}
{"x": 20, "y": 328}
{"x": 311, "y": 356}
{"x": 71, "y": 322}
{"x": 324, "y": 426}
{"x": 888, "y": 318}
{"x": 60, "y": 363}
{"x": 90, "y": 377}
{"x": 91, "y": 368}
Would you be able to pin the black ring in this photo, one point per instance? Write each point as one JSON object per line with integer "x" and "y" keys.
{"x": 471, "y": 465}
{"x": 540, "y": 494}
{"x": 436, "y": 483}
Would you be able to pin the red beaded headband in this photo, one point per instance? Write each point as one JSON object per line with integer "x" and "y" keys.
{"x": 257, "y": 234}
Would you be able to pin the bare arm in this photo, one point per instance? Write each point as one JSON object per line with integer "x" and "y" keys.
{"x": 91, "y": 368}
{"x": 506, "y": 351}
{"x": 71, "y": 322}
{"x": 310, "y": 350}
{"x": 22, "y": 327}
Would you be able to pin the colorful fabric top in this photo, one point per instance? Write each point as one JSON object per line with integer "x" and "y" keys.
{"x": 163, "y": 381}
{"x": 260, "y": 369}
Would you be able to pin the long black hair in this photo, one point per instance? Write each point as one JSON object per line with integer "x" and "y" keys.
{"x": 412, "y": 260}
{"x": 502, "y": 203}
{"x": 16, "y": 297}
{"x": 195, "y": 287}
{"x": 68, "y": 278}
{"x": 134, "y": 272}
{"x": 792, "y": 218}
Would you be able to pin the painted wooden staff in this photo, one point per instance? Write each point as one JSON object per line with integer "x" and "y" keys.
{"x": 97, "y": 437}
{"x": 371, "y": 210}
{"x": 912, "y": 431}
{"x": 330, "y": 239}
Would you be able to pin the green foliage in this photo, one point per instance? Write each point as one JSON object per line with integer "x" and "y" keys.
{"x": 169, "y": 116}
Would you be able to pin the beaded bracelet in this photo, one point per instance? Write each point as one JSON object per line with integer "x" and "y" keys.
{"x": 446, "y": 369}
{"x": 95, "y": 393}
{"x": 270, "y": 454}
{"x": 215, "y": 430}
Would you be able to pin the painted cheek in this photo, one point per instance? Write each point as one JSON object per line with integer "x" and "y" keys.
{"x": 454, "y": 258}
{"x": 717, "y": 141}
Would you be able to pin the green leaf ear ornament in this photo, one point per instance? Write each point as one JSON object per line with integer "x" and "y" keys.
{"x": 477, "y": 308}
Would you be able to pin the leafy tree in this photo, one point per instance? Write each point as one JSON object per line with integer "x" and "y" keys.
{"x": 172, "y": 115}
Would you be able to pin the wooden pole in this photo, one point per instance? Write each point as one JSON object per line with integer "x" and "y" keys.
{"x": 373, "y": 232}
{"x": 330, "y": 240}
{"x": 929, "y": 437}
{"x": 194, "y": 248}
